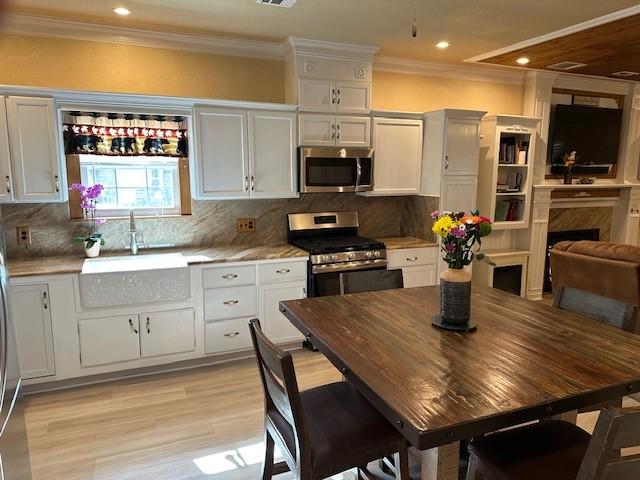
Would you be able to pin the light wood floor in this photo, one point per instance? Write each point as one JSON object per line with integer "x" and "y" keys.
{"x": 190, "y": 425}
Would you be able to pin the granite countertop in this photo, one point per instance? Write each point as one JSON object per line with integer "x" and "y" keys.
{"x": 230, "y": 253}
{"x": 396, "y": 243}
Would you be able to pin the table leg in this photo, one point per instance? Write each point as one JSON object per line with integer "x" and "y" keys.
{"x": 441, "y": 463}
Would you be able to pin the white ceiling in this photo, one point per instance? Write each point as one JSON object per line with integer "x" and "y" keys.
{"x": 472, "y": 26}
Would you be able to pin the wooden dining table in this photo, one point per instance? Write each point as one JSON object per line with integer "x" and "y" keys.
{"x": 525, "y": 361}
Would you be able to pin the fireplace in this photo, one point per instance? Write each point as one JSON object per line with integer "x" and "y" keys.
{"x": 555, "y": 237}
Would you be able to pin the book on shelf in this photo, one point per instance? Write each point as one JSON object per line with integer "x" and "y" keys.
{"x": 507, "y": 153}
{"x": 522, "y": 149}
{"x": 508, "y": 209}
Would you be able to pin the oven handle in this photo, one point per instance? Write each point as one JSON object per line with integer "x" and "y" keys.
{"x": 349, "y": 266}
{"x": 358, "y": 173}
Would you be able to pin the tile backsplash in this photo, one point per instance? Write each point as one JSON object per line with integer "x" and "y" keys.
{"x": 213, "y": 223}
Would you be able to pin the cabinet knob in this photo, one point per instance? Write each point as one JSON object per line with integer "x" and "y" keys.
{"x": 412, "y": 259}
{"x": 283, "y": 271}
{"x": 229, "y": 276}
{"x": 253, "y": 183}
{"x": 45, "y": 303}
{"x": 246, "y": 184}
{"x": 338, "y": 100}
{"x": 230, "y": 302}
{"x": 333, "y": 95}
{"x": 231, "y": 334}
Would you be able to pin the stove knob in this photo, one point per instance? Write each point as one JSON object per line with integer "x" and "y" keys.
{"x": 376, "y": 253}
{"x": 334, "y": 257}
{"x": 351, "y": 256}
{"x": 368, "y": 254}
{"x": 324, "y": 258}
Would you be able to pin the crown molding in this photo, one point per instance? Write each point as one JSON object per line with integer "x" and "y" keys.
{"x": 594, "y": 22}
{"x": 476, "y": 73}
{"x": 306, "y": 46}
{"x": 60, "y": 28}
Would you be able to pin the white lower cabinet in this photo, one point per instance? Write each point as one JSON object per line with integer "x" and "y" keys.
{"x": 275, "y": 325}
{"x": 166, "y": 333}
{"x": 227, "y": 336}
{"x": 32, "y": 315}
{"x": 109, "y": 340}
{"x": 419, "y": 265}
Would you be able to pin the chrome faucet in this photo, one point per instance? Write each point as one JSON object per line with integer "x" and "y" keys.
{"x": 134, "y": 242}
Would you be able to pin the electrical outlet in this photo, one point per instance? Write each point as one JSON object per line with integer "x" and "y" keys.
{"x": 245, "y": 225}
{"x": 24, "y": 235}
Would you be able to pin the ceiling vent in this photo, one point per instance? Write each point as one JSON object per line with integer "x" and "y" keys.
{"x": 566, "y": 65}
{"x": 277, "y": 3}
{"x": 625, "y": 73}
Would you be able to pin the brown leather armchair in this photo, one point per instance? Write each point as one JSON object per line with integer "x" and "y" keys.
{"x": 598, "y": 279}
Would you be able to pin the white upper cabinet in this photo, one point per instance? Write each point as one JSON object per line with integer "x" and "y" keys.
{"x": 36, "y": 158}
{"x": 272, "y": 155}
{"x": 6, "y": 188}
{"x": 459, "y": 193}
{"x": 221, "y": 160}
{"x": 329, "y": 130}
{"x": 398, "y": 156}
{"x": 325, "y": 96}
{"x": 462, "y": 146}
{"x": 240, "y": 154}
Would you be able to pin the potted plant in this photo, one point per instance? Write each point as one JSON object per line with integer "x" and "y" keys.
{"x": 459, "y": 234}
{"x": 88, "y": 200}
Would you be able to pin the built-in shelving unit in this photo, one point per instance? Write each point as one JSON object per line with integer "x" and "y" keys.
{"x": 506, "y": 172}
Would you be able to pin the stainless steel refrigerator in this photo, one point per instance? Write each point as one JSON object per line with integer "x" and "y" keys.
{"x": 14, "y": 449}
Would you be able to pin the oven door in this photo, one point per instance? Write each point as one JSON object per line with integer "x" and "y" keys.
{"x": 325, "y": 279}
{"x": 335, "y": 170}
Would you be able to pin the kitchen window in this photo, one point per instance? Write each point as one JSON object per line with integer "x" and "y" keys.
{"x": 148, "y": 185}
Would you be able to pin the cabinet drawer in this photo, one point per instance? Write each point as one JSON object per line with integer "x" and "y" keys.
{"x": 412, "y": 256}
{"x": 230, "y": 302}
{"x": 227, "y": 336}
{"x": 228, "y": 276}
{"x": 281, "y": 272}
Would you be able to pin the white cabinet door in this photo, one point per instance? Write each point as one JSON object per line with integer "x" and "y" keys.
{"x": 272, "y": 155}
{"x": 316, "y": 96}
{"x": 419, "y": 276}
{"x": 32, "y": 317}
{"x": 6, "y": 188}
{"x": 353, "y": 131}
{"x": 166, "y": 333}
{"x": 35, "y": 153}
{"x": 353, "y": 97}
{"x": 317, "y": 130}
{"x": 459, "y": 194}
{"x": 109, "y": 340}
{"x": 398, "y": 149}
{"x": 275, "y": 325}
{"x": 221, "y": 160}
{"x": 462, "y": 147}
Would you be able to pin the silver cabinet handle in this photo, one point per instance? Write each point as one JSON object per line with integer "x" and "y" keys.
{"x": 304, "y": 292}
{"x": 446, "y": 162}
{"x": 133, "y": 329}
{"x": 229, "y": 276}
{"x": 338, "y": 101}
{"x": 246, "y": 184}
{"x": 45, "y": 302}
{"x": 333, "y": 130}
{"x": 333, "y": 95}
{"x": 7, "y": 180}
{"x": 412, "y": 259}
{"x": 283, "y": 271}
{"x": 231, "y": 334}
{"x": 338, "y": 132}
{"x": 253, "y": 183}
{"x": 230, "y": 302}
{"x": 148, "y": 325}
{"x": 57, "y": 180}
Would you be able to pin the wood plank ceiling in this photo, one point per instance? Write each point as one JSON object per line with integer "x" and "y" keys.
{"x": 605, "y": 50}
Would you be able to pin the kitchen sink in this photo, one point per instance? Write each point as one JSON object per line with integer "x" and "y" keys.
{"x": 134, "y": 280}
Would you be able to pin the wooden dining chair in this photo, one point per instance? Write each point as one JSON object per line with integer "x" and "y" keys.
{"x": 321, "y": 431}
{"x": 560, "y": 450}
{"x": 370, "y": 281}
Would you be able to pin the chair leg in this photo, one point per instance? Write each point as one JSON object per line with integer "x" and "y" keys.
{"x": 402, "y": 465}
{"x": 472, "y": 469}
{"x": 267, "y": 466}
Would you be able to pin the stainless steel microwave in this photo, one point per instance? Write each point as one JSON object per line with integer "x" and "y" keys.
{"x": 334, "y": 169}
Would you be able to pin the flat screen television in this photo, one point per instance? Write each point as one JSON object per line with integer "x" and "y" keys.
{"x": 592, "y": 132}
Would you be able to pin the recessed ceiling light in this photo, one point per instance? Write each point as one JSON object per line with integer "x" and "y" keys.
{"x": 443, "y": 44}
{"x": 122, "y": 11}
{"x": 522, "y": 61}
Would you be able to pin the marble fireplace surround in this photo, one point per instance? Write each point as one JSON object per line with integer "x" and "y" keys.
{"x": 617, "y": 218}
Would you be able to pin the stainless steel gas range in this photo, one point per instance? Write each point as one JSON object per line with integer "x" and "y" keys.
{"x": 334, "y": 246}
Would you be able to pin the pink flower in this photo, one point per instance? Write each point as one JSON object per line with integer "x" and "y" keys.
{"x": 435, "y": 214}
{"x": 100, "y": 221}
{"x": 458, "y": 231}
{"x": 78, "y": 187}
{"x": 449, "y": 247}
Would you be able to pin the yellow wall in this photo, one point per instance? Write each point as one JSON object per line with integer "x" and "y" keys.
{"x": 392, "y": 91}
{"x": 76, "y": 65}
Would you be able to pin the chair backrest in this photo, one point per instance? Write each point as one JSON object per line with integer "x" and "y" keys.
{"x": 617, "y": 428}
{"x": 607, "y": 310}
{"x": 282, "y": 397}
{"x": 370, "y": 281}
